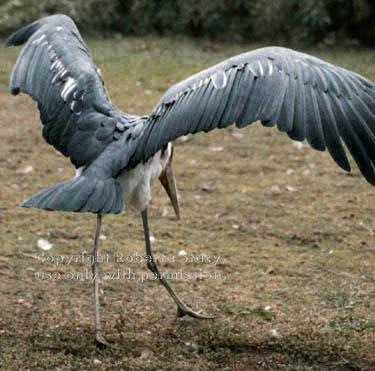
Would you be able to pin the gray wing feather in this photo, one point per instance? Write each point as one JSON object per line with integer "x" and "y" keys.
{"x": 304, "y": 96}
{"x": 56, "y": 70}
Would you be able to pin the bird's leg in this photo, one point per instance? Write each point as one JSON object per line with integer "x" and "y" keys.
{"x": 182, "y": 308}
{"x": 95, "y": 272}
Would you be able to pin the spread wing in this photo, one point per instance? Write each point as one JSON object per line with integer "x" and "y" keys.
{"x": 56, "y": 70}
{"x": 304, "y": 96}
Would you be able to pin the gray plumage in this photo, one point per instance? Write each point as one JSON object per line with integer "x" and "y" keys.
{"x": 304, "y": 96}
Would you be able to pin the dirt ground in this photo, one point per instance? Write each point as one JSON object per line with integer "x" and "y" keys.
{"x": 275, "y": 239}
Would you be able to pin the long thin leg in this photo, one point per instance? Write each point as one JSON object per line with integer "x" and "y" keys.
{"x": 95, "y": 273}
{"x": 183, "y": 309}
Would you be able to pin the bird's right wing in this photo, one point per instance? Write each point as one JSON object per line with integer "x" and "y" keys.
{"x": 304, "y": 96}
{"x": 56, "y": 70}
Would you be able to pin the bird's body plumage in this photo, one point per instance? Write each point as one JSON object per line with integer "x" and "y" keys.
{"x": 136, "y": 183}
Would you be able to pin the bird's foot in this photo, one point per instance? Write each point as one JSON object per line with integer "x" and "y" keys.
{"x": 100, "y": 341}
{"x": 184, "y": 310}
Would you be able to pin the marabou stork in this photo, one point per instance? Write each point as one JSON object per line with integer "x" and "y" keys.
{"x": 118, "y": 156}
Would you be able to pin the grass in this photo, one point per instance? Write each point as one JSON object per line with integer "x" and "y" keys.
{"x": 294, "y": 284}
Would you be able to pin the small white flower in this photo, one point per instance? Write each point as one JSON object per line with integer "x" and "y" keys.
{"x": 186, "y": 138}
{"x": 298, "y": 145}
{"x": 216, "y": 149}
{"x": 275, "y": 333}
{"x": 44, "y": 244}
{"x": 182, "y": 253}
{"x": 290, "y": 171}
{"x": 237, "y": 135}
{"x": 26, "y": 170}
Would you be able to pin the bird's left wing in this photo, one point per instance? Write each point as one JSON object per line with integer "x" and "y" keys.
{"x": 56, "y": 70}
{"x": 304, "y": 96}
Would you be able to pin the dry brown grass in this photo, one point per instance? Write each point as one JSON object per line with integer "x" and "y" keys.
{"x": 296, "y": 286}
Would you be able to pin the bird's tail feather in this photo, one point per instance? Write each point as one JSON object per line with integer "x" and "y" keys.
{"x": 85, "y": 193}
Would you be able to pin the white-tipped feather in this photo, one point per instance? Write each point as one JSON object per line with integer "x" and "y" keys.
{"x": 251, "y": 70}
{"x": 37, "y": 41}
{"x": 219, "y": 80}
{"x": 260, "y": 68}
{"x": 69, "y": 86}
{"x": 270, "y": 72}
